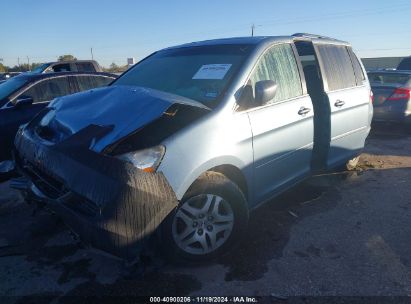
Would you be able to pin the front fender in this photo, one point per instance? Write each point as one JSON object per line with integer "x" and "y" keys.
{"x": 181, "y": 183}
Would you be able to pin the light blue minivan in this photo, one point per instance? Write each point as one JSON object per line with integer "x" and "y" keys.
{"x": 189, "y": 140}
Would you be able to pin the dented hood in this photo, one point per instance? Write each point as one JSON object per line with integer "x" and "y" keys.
{"x": 123, "y": 108}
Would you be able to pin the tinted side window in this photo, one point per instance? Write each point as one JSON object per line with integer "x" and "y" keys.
{"x": 62, "y": 67}
{"x": 279, "y": 64}
{"x": 102, "y": 81}
{"x": 85, "y": 67}
{"x": 91, "y": 82}
{"x": 337, "y": 65}
{"x": 49, "y": 89}
{"x": 359, "y": 74}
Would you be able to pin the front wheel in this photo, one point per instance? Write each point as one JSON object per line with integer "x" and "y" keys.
{"x": 212, "y": 215}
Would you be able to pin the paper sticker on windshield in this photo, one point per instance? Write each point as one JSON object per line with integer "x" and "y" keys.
{"x": 211, "y": 94}
{"x": 212, "y": 71}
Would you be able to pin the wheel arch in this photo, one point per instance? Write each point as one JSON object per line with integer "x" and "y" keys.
{"x": 231, "y": 169}
{"x": 235, "y": 175}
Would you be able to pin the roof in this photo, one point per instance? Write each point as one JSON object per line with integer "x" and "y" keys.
{"x": 34, "y": 77}
{"x": 255, "y": 40}
{"x": 71, "y": 61}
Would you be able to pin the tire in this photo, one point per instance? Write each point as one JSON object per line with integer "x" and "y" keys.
{"x": 212, "y": 215}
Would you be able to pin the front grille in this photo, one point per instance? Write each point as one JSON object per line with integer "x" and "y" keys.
{"x": 47, "y": 184}
{"x": 83, "y": 205}
{"x": 53, "y": 188}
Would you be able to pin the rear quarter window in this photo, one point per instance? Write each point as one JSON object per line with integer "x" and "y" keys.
{"x": 87, "y": 82}
{"x": 337, "y": 66}
{"x": 358, "y": 71}
{"x": 85, "y": 67}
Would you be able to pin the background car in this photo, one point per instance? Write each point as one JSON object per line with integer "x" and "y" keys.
{"x": 391, "y": 95}
{"x": 8, "y": 75}
{"x": 68, "y": 66}
{"x": 24, "y": 96}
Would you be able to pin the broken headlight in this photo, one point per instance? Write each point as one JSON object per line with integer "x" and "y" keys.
{"x": 147, "y": 160}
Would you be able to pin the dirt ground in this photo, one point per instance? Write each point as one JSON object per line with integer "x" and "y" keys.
{"x": 341, "y": 234}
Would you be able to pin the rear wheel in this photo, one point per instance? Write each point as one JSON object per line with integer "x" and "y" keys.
{"x": 211, "y": 216}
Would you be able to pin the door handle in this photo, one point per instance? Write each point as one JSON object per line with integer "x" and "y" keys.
{"x": 339, "y": 103}
{"x": 303, "y": 111}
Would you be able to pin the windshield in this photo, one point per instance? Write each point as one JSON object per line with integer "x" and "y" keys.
{"x": 10, "y": 86}
{"x": 388, "y": 78}
{"x": 40, "y": 68}
{"x": 200, "y": 73}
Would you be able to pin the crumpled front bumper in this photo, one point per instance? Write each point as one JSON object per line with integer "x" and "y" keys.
{"x": 107, "y": 202}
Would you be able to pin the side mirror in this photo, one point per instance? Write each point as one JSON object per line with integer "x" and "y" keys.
{"x": 23, "y": 101}
{"x": 264, "y": 91}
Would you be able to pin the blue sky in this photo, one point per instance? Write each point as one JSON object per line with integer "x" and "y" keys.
{"x": 45, "y": 29}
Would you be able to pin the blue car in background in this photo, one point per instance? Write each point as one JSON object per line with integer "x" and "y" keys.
{"x": 23, "y": 96}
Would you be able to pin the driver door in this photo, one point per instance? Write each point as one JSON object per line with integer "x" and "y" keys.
{"x": 282, "y": 128}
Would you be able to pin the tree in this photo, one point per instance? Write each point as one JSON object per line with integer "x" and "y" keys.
{"x": 114, "y": 68}
{"x": 23, "y": 67}
{"x": 2, "y": 68}
{"x": 66, "y": 58}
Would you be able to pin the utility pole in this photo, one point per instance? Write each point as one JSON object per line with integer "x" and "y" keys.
{"x": 91, "y": 50}
{"x": 253, "y": 26}
{"x": 18, "y": 62}
{"x": 28, "y": 62}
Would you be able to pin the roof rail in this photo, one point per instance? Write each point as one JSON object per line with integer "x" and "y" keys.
{"x": 307, "y": 35}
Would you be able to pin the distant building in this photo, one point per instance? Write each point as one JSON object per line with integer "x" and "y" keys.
{"x": 130, "y": 61}
{"x": 381, "y": 62}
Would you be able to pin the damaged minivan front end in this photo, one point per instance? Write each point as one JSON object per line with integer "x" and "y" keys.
{"x": 97, "y": 169}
